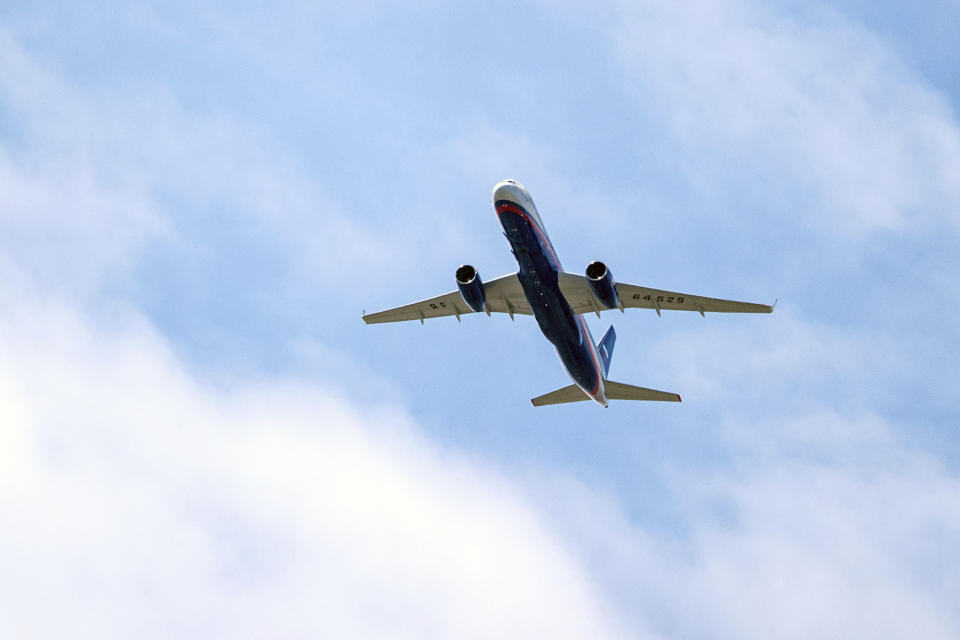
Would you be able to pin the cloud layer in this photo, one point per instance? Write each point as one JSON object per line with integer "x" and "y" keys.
{"x": 149, "y": 231}
{"x": 140, "y": 502}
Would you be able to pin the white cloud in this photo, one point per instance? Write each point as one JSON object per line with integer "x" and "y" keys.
{"x": 716, "y": 355}
{"x": 840, "y": 548}
{"x": 140, "y": 499}
{"x": 854, "y": 541}
{"x": 140, "y": 502}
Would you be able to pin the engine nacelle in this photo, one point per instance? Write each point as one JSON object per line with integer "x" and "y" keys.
{"x": 471, "y": 287}
{"x": 602, "y": 284}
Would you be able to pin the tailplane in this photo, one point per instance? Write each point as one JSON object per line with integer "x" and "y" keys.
{"x": 615, "y": 391}
{"x": 573, "y": 393}
{"x": 620, "y": 391}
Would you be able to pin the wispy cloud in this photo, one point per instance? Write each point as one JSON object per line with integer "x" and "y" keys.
{"x": 110, "y": 173}
{"x": 848, "y": 533}
{"x": 810, "y": 107}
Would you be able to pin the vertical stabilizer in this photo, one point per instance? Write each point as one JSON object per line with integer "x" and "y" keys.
{"x": 605, "y": 348}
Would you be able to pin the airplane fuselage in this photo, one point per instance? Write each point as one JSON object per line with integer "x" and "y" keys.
{"x": 538, "y": 275}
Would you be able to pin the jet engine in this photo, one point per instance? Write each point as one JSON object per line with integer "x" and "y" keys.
{"x": 602, "y": 284}
{"x": 471, "y": 287}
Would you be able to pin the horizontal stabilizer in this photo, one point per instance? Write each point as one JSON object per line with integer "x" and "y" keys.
{"x": 573, "y": 393}
{"x": 615, "y": 391}
{"x": 620, "y": 391}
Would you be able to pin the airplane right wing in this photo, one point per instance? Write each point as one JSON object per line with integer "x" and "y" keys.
{"x": 503, "y": 295}
{"x": 576, "y": 289}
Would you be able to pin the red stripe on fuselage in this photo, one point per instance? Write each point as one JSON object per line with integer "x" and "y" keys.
{"x": 517, "y": 209}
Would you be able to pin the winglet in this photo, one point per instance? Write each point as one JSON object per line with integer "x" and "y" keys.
{"x": 774, "y": 305}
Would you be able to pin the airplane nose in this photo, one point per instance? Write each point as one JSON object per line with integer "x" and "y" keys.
{"x": 510, "y": 190}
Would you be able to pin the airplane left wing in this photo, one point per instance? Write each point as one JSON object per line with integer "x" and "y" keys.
{"x": 503, "y": 295}
{"x": 576, "y": 290}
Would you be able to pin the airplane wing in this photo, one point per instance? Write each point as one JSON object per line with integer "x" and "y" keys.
{"x": 503, "y": 295}
{"x": 576, "y": 289}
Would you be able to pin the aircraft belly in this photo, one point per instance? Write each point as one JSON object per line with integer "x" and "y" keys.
{"x": 539, "y": 280}
{"x": 579, "y": 366}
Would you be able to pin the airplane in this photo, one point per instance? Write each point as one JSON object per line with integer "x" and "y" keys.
{"x": 558, "y": 300}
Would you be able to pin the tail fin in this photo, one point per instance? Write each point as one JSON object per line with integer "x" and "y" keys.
{"x": 605, "y": 347}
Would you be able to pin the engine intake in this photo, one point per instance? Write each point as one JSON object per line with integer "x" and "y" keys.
{"x": 602, "y": 284}
{"x": 471, "y": 287}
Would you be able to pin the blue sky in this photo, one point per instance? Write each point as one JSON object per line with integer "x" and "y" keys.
{"x": 196, "y": 428}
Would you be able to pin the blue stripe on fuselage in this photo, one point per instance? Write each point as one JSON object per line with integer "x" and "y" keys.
{"x": 539, "y": 267}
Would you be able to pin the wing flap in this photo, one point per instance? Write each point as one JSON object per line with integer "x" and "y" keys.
{"x": 448, "y": 304}
{"x": 503, "y": 294}
{"x": 576, "y": 289}
{"x": 632, "y": 296}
